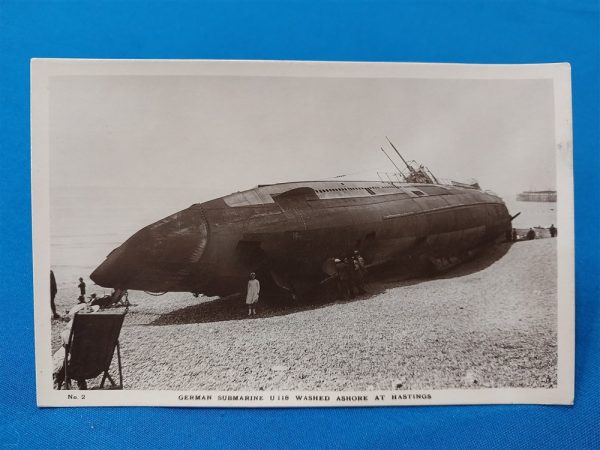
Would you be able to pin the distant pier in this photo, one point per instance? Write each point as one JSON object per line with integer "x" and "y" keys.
{"x": 537, "y": 196}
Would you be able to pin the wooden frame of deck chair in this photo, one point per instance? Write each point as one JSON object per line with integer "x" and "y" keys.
{"x": 91, "y": 347}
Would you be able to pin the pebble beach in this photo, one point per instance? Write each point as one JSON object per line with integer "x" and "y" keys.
{"x": 490, "y": 322}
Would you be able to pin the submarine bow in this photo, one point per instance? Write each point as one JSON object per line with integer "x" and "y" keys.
{"x": 159, "y": 257}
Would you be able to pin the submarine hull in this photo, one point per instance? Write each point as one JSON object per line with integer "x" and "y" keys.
{"x": 289, "y": 231}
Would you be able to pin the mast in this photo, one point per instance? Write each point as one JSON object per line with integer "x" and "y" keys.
{"x": 418, "y": 175}
{"x": 391, "y": 160}
{"x": 410, "y": 168}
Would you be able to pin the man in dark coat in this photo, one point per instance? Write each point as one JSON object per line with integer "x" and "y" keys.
{"x": 342, "y": 279}
{"x": 531, "y": 234}
{"x": 81, "y": 287}
{"x": 53, "y": 291}
{"x": 352, "y": 281}
{"x": 359, "y": 271}
{"x": 553, "y": 231}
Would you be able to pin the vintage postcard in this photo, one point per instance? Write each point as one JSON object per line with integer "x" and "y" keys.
{"x": 277, "y": 234}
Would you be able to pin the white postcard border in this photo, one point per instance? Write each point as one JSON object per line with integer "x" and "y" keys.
{"x": 43, "y": 69}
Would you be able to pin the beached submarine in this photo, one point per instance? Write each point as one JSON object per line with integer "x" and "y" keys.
{"x": 290, "y": 233}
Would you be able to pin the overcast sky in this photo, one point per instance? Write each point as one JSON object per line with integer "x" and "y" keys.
{"x": 222, "y": 134}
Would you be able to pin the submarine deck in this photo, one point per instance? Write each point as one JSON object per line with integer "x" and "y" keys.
{"x": 323, "y": 190}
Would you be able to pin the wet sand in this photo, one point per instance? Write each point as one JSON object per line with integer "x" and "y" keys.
{"x": 490, "y": 322}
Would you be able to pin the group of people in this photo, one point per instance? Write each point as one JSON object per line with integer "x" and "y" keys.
{"x": 116, "y": 296}
{"x": 350, "y": 273}
{"x": 54, "y": 291}
{"x": 512, "y": 236}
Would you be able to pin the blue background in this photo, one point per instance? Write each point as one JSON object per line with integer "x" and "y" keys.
{"x": 427, "y": 31}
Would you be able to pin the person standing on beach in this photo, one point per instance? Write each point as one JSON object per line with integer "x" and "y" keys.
{"x": 53, "y": 291}
{"x": 340, "y": 279}
{"x": 531, "y": 234}
{"x": 553, "y": 230}
{"x": 352, "y": 281}
{"x": 252, "y": 294}
{"x": 343, "y": 280}
{"x": 360, "y": 271}
{"x": 81, "y": 287}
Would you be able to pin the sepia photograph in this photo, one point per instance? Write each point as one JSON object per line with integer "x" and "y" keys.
{"x": 269, "y": 233}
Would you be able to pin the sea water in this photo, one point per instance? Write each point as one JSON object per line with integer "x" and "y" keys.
{"x": 533, "y": 214}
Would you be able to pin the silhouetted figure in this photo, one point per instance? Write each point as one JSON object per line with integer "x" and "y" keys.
{"x": 361, "y": 261}
{"x": 252, "y": 294}
{"x": 553, "y": 231}
{"x": 81, "y": 287}
{"x": 530, "y": 234}
{"x": 342, "y": 279}
{"x": 352, "y": 281}
{"x": 53, "y": 291}
{"x": 360, "y": 271}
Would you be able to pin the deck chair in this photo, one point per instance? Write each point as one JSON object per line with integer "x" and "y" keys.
{"x": 91, "y": 347}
